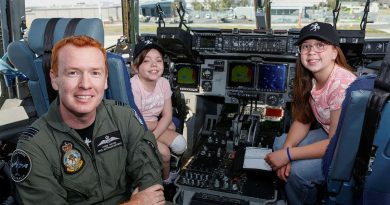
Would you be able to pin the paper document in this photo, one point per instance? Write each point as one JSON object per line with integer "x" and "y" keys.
{"x": 254, "y": 158}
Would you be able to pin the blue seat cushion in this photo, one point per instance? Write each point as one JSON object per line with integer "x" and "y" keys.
{"x": 348, "y": 125}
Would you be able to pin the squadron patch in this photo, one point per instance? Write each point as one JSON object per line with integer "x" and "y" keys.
{"x": 108, "y": 141}
{"x": 72, "y": 160}
{"x": 138, "y": 118}
{"x": 20, "y": 165}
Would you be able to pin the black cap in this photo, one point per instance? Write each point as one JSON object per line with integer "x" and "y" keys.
{"x": 319, "y": 30}
{"x": 148, "y": 44}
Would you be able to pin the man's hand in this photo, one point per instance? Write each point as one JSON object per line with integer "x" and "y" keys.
{"x": 152, "y": 195}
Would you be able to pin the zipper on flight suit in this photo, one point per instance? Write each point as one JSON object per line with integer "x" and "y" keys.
{"x": 92, "y": 155}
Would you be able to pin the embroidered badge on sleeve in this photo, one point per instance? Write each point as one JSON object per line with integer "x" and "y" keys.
{"x": 20, "y": 165}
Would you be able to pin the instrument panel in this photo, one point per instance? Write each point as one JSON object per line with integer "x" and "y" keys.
{"x": 217, "y": 169}
{"x": 260, "y": 65}
{"x": 268, "y": 82}
{"x": 253, "y": 41}
{"x": 375, "y": 46}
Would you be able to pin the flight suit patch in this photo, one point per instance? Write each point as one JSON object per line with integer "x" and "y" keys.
{"x": 72, "y": 160}
{"x": 108, "y": 141}
{"x": 20, "y": 165}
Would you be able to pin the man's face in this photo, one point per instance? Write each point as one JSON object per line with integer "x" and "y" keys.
{"x": 80, "y": 82}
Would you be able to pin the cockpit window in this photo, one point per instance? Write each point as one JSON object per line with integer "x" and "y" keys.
{"x": 222, "y": 14}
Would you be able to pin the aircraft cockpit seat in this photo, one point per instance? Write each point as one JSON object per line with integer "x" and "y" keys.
{"x": 10, "y": 77}
{"x": 15, "y": 103}
{"x": 32, "y": 57}
{"x": 119, "y": 86}
{"x": 358, "y": 155}
{"x": 340, "y": 156}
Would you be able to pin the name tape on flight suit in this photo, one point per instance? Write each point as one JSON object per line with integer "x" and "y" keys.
{"x": 108, "y": 141}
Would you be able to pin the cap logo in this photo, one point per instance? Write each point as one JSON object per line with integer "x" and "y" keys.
{"x": 314, "y": 27}
{"x": 147, "y": 42}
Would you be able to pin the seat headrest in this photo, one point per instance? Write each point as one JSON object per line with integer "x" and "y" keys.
{"x": 92, "y": 27}
{"x": 22, "y": 58}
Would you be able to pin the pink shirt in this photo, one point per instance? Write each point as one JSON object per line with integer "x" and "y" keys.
{"x": 150, "y": 104}
{"x": 331, "y": 96}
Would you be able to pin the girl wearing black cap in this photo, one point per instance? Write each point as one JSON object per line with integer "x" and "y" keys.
{"x": 152, "y": 95}
{"x": 321, "y": 77}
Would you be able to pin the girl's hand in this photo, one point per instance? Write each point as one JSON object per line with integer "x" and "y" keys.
{"x": 284, "y": 172}
{"x": 277, "y": 159}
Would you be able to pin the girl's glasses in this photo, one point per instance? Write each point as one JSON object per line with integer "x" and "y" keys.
{"x": 317, "y": 47}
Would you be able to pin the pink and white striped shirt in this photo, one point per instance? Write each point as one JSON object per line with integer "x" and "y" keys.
{"x": 330, "y": 97}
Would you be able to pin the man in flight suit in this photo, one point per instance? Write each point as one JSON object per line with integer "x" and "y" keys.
{"x": 86, "y": 150}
